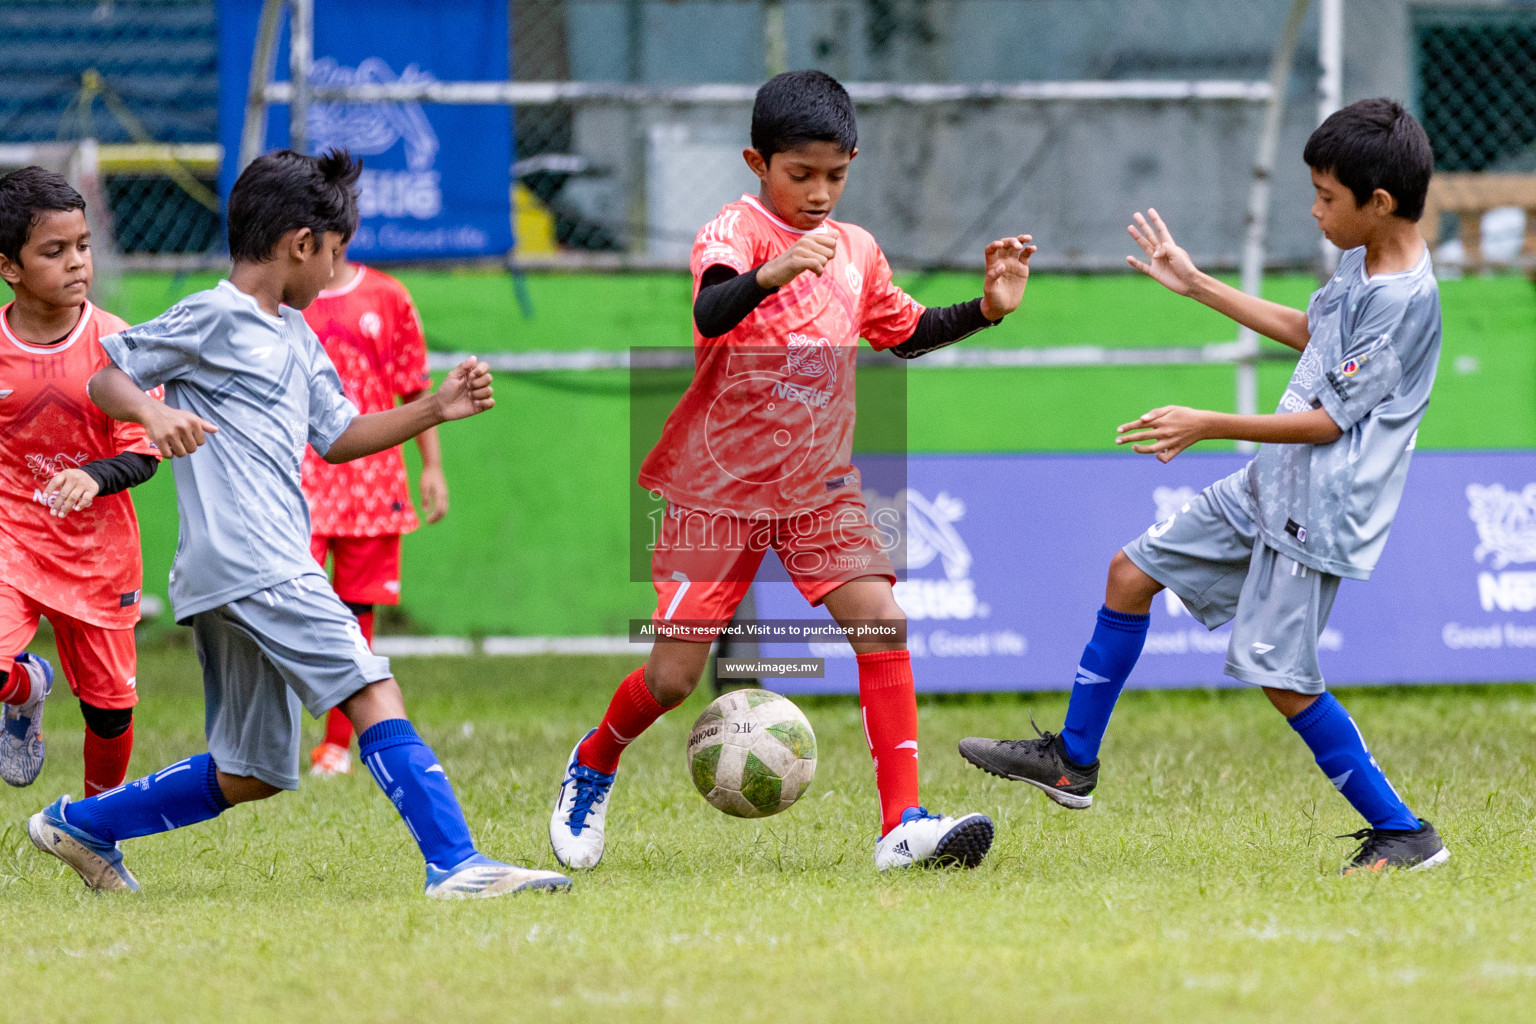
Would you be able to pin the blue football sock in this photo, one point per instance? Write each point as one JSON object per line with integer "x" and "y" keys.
{"x": 408, "y": 772}
{"x": 182, "y": 794}
{"x": 1340, "y": 752}
{"x": 1107, "y": 662}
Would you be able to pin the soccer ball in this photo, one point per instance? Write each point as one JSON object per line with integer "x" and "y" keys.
{"x": 752, "y": 753}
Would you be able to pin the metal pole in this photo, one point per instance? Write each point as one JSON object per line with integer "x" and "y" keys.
{"x": 1258, "y": 208}
{"x": 253, "y": 134}
{"x": 775, "y": 42}
{"x": 301, "y": 53}
{"x": 638, "y": 148}
{"x": 84, "y": 172}
{"x": 1330, "y": 88}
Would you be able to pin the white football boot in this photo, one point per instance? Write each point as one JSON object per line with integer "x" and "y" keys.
{"x": 98, "y": 862}
{"x": 21, "y": 738}
{"x": 928, "y": 840}
{"x": 581, "y": 813}
{"x": 479, "y": 877}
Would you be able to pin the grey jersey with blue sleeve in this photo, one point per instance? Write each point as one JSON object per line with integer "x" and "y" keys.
{"x": 1375, "y": 344}
{"x": 268, "y": 386}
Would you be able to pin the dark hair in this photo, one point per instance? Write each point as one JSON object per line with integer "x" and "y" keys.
{"x": 799, "y": 107}
{"x": 285, "y": 190}
{"x": 1375, "y": 144}
{"x": 25, "y": 195}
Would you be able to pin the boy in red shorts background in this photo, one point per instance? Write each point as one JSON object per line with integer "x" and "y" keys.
{"x": 69, "y": 539}
{"x": 757, "y": 455}
{"x": 358, "y": 510}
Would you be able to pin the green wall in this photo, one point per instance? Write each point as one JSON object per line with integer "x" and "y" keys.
{"x": 536, "y": 543}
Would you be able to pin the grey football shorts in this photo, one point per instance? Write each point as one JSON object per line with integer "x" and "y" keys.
{"x": 1209, "y": 553}
{"x": 266, "y": 655}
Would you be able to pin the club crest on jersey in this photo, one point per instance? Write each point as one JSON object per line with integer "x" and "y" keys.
{"x": 1350, "y": 367}
{"x": 855, "y": 278}
{"x": 809, "y": 357}
{"x": 371, "y": 325}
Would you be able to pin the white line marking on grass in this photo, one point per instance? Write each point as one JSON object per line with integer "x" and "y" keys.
{"x": 422, "y": 646}
{"x": 503, "y": 646}
{"x": 525, "y": 645}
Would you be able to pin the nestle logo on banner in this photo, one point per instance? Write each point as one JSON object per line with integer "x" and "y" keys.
{"x": 1506, "y": 531}
{"x": 928, "y": 530}
{"x": 374, "y": 128}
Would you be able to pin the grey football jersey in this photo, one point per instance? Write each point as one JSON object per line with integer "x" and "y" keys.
{"x": 1371, "y": 363}
{"x": 268, "y": 386}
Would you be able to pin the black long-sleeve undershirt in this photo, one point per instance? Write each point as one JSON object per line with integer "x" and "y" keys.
{"x": 121, "y": 472}
{"x": 943, "y": 326}
{"x": 726, "y": 298}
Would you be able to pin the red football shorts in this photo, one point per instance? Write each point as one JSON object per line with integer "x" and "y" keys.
{"x": 101, "y": 664}
{"x": 364, "y": 570}
{"x": 703, "y": 563}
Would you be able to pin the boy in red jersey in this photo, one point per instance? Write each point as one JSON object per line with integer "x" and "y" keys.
{"x": 359, "y": 509}
{"x": 69, "y": 540}
{"x": 757, "y": 454}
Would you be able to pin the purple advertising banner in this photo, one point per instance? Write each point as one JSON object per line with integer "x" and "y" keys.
{"x": 1006, "y": 557}
{"x": 436, "y": 179}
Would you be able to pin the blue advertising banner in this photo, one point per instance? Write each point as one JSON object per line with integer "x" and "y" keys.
{"x": 436, "y": 179}
{"x": 1006, "y": 558}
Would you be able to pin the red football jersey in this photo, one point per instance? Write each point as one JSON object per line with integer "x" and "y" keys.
{"x": 370, "y": 329}
{"x": 86, "y": 565}
{"x": 766, "y": 426}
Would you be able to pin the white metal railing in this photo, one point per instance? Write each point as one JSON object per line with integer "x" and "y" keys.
{"x": 956, "y": 358}
{"x": 543, "y": 94}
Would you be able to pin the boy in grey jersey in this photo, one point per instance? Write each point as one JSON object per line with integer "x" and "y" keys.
{"x": 247, "y": 386}
{"x": 1265, "y": 548}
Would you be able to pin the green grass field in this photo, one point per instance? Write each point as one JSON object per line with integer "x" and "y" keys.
{"x": 1199, "y": 888}
{"x": 541, "y": 485}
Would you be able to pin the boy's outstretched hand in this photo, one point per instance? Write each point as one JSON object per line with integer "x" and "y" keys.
{"x": 466, "y": 390}
{"x": 1170, "y": 265}
{"x": 1007, "y": 273}
{"x": 1165, "y": 431}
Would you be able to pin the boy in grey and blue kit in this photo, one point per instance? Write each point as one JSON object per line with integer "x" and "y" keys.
{"x": 247, "y": 386}
{"x": 1265, "y": 548}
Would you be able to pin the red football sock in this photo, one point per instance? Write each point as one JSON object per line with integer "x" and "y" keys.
{"x": 888, "y": 702}
{"x": 630, "y": 713}
{"x": 17, "y": 688}
{"x": 338, "y": 729}
{"x": 106, "y": 761}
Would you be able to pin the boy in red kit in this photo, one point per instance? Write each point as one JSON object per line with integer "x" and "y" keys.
{"x": 69, "y": 540}
{"x": 359, "y": 509}
{"x": 757, "y": 454}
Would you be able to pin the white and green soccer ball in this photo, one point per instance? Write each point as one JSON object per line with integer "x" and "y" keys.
{"x": 752, "y": 753}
